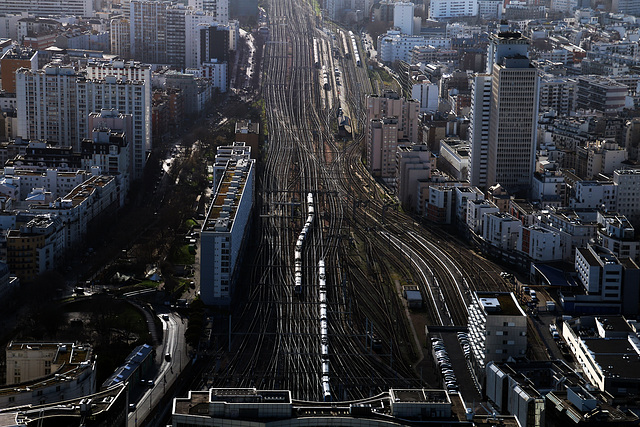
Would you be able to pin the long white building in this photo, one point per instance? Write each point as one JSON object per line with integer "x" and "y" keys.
{"x": 444, "y": 9}
{"x": 403, "y": 17}
{"x": 48, "y": 7}
{"x": 394, "y": 46}
{"x": 223, "y": 233}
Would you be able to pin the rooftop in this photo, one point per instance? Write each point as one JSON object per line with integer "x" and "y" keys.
{"x": 499, "y": 303}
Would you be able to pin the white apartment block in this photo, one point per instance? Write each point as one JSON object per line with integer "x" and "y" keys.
{"x": 445, "y": 9}
{"x": 616, "y": 234}
{"x": 558, "y": 93}
{"x": 218, "y": 8}
{"x": 394, "y": 46}
{"x": 502, "y": 230}
{"x": 426, "y": 93}
{"x": 599, "y": 272}
{"x": 47, "y": 104}
{"x": 541, "y": 244}
{"x": 125, "y": 96}
{"x": 403, "y": 17}
{"x": 497, "y": 328}
{"x": 549, "y": 189}
{"x": 628, "y": 194}
{"x": 49, "y": 7}
{"x": 19, "y": 183}
{"x": 476, "y": 212}
{"x": 596, "y": 195}
{"x": 9, "y": 25}
{"x": 214, "y": 72}
{"x": 120, "y": 34}
{"x": 81, "y": 205}
{"x": 490, "y": 9}
{"x": 223, "y": 232}
{"x": 148, "y": 31}
{"x": 463, "y": 196}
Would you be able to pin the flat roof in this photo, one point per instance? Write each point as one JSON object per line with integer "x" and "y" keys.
{"x": 503, "y": 300}
{"x": 419, "y": 396}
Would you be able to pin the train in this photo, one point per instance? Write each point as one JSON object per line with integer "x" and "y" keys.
{"x": 316, "y": 53}
{"x": 300, "y": 243}
{"x": 325, "y": 78}
{"x": 354, "y": 46}
{"x": 345, "y": 46}
{"x": 324, "y": 332}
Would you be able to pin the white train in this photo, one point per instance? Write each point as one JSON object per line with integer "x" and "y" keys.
{"x": 324, "y": 332}
{"x": 300, "y": 243}
{"x": 354, "y": 46}
{"x": 316, "y": 54}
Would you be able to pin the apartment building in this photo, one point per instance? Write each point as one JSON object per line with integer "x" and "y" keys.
{"x": 445, "y": 9}
{"x": 218, "y": 8}
{"x": 14, "y": 58}
{"x": 497, "y": 329}
{"x": 223, "y": 232}
{"x": 628, "y": 194}
{"x": 600, "y": 93}
{"x": 148, "y": 31}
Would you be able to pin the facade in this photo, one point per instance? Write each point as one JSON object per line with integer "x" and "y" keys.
{"x": 148, "y": 31}
{"x": 601, "y": 94}
{"x": 218, "y": 8}
{"x": 390, "y": 119}
{"x": 48, "y": 7}
{"x": 223, "y": 232}
{"x": 476, "y": 212}
{"x": 403, "y": 17}
{"x": 606, "y": 349}
{"x": 541, "y": 244}
{"x": 34, "y": 360}
{"x": 513, "y": 115}
{"x": 194, "y": 22}
{"x": 502, "y": 230}
{"x": 497, "y": 329}
{"x": 13, "y": 59}
{"x": 248, "y": 132}
{"x": 558, "y": 93}
{"x": 426, "y": 93}
{"x": 628, "y": 194}
{"x": 479, "y": 129}
{"x": 445, "y": 9}
{"x": 47, "y": 104}
{"x": 36, "y": 247}
{"x": 120, "y": 35}
{"x": 414, "y": 163}
{"x": 394, "y": 46}
{"x": 617, "y": 235}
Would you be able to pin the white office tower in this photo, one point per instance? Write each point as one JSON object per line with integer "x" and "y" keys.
{"x": 148, "y": 30}
{"x": 48, "y": 7}
{"x": 403, "y": 17}
{"x": 479, "y": 129}
{"x": 218, "y": 8}
{"x": 513, "y": 115}
{"x": 512, "y": 105}
{"x": 223, "y": 236}
{"x": 46, "y": 101}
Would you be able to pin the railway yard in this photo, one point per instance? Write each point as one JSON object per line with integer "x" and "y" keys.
{"x": 324, "y": 315}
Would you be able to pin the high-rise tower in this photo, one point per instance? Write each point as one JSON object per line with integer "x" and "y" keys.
{"x": 505, "y": 143}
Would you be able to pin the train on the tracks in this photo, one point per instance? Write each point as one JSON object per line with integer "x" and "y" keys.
{"x": 316, "y": 53}
{"x": 354, "y": 46}
{"x": 325, "y": 78}
{"x": 345, "y": 46}
{"x": 300, "y": 243}
{"x": 324, "y": 332}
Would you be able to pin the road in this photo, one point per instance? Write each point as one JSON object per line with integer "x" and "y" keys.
{"x": 173, "y": 344}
